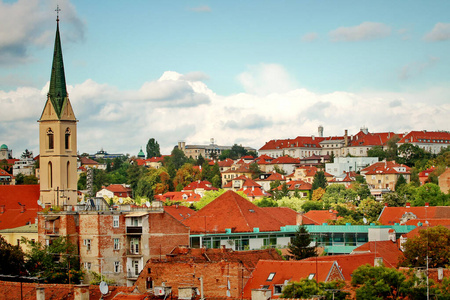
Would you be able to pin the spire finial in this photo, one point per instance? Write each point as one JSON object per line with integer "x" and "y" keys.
{"x": 57, "y": 12}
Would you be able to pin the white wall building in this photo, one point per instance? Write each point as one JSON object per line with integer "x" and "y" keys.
{"x": 349, "y": 164}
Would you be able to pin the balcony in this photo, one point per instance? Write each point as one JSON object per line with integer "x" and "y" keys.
{"x": 134, "y": 230}
{"x": 54, "y": 232}
{"x": 134, "y": 253}
{"x": 132, "y": 275}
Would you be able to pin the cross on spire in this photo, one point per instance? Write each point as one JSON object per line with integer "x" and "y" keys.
{"x": 57, "y": 13}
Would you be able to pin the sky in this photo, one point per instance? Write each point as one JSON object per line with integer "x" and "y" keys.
{"x": 241, "y": 72}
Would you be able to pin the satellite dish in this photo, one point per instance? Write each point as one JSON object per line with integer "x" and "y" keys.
{"x": 120, "y": 200}
{"x": 365, "y": 220}
{"x": 39, "y": 202}
{"x": 147, "y": 204}
{"x": 103, "y": 288}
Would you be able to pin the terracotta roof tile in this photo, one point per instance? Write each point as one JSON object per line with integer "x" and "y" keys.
{"x": 392, "y": 215}
{"x": 232, "y": 211}
{"x": 179, "y": 212}
{"x": 15, "y": 214}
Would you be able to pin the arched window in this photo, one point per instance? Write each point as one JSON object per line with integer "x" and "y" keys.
{"x": 67, "y": 139}
{"x": 50, "y": 138}
{"x": 50, "y": 175}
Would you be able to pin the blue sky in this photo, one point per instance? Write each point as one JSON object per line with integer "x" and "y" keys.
{"x": 238, "y": 71}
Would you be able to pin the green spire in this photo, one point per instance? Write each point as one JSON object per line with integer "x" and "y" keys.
{"x": 57, "y": 91}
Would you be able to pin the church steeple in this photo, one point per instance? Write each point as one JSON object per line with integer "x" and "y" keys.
{"x": 58, "y": 92}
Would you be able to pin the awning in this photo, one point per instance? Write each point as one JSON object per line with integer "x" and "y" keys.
{"x": 137, "y": 214}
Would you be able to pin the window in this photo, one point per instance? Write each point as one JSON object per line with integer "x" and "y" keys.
{"x": 116, "y": 266}
{"x": 50, "y": 138}
{"x": 87, "y": 266}
{"x": 87, "y": 243}
{"x": 271, "y": 276}
{"x": 115, "y": 221}
{"x": 134, "y": 246}
{"x": 116, "y": 244}
{"x": 311, "y": 276}
{"x": 277, "y": 289}
{"x": 67, "y": 139}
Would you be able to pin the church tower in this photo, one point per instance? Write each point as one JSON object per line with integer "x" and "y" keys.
{"x": 58, "y": 138}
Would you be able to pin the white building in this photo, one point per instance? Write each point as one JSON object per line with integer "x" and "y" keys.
{"x": 349, "y": 164}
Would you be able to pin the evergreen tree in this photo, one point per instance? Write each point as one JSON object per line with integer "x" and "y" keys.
{"x": 400, "y": 181}
{"x": 11, "y": 259}
{"x": 300, "y": 247}
{"x": 319, "y": 180}
{"x": 153, "y": 148}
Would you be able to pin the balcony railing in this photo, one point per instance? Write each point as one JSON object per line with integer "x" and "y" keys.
{"x": 51, "y": 231}
{"x": 132, "y": 275}
{"x": 134, "y": 229}
{"x": 133, "y": 253}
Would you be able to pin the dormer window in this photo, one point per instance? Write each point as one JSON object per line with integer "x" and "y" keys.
{"x": 271, "y": 276}
{"x": 50, "y": 138}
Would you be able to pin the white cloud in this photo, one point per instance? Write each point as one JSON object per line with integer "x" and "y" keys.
{"x": 264, "y": 79}
{"x": 309, "y": 37}
{"x": 363, "y": 31}
{"x": 31, "y": 23}
{"x": 123, "y": 121}
{"x": 440, "y": 32}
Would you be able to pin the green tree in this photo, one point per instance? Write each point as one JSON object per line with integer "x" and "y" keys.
{"x": 200, "y": 161}
{"x": 410, "y": 154}
{"x": 81, "y": 184}
{"x": 430, "y": 193}
{"x": 134, "y": 173}
{"x": 312, "y": 205}
{"x": 400, "y": 181}
{"x": 391, "y": 148}
{"x": 153, "y": 148}
{"x": 266, "y": 202}
{"x": 307, "y": 288}
{"x": 299, "y": 247}
{"x": 319, "y": 180}
{"x": 394, "y": 199}
{"x": 434, "y": 242}
{"x": 377, "y": 151}
{"x": 256, "y": 171}
{"x": 26, "y": 154}
{"x": 216, "y": 177}
{"x": 279, "y": 170}
{"x": 379, "y": 283}
{"x": 54, "y": 263}
{"x": 185, "y": 175}
{"x": 11, "y": 259}
{"x": 178, "y": 158}
{"x": 206, "y": 171}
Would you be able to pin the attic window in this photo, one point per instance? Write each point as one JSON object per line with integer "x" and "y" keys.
{"x": 311, "y": 276}
{"x": 251, "y": 210}
{"x": 271, "y": 276}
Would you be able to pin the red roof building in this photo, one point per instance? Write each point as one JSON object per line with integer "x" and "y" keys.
{"x": 179, "y": 212}
{"x": 401, "y": 215}
{"x": 231, "y": 212}
{"x": 6, "y": 178}
{"x": 188, "y": 197}
{"x": 274, "y": 275}
{"x": 18, "y": 205}
{"x": 430, "y": 141}
{"x": 317, "y": 217}
{"x": 384, "y": 174}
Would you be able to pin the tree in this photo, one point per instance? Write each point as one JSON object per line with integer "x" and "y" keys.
{"x": 200, "y": 161}
{"x": 306, "y": 288}
{"x": 279, "y": 170}
{"x": 391, "y": 151}
{"x": 317, "y": 194}
{"x": 312, "y": 205}
{"x": 430, "y": 193}
{"x": 266, "y": 202}
{"x": 376, "y": 151}
{"x": 11, "y": 259}
{"x": 153, "y": 148}
{"x": 185, "y": 175}
{"x": 256, "y": 171}
{"x": 54, "y": 263}
{"x": 300, "y": 247}
{"x": 27, "y": 154}
{"x": 319, "y": 180}
{"x": 434, "y": 242}
{"x": 178, "y": 158}
{"x": 379, "y": 283}
{"x": 410, "y": 154}
{"x": 400, "y": 181}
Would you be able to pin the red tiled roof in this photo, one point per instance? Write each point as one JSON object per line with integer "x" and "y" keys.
{"x": 232, "y": 211}
{"x": 4, "y": 173}
{"x": 372, "y": 139}
{"x": 318, "y": 217}
{"x": 87, "y": 161}
{"x": 384, "y": 167}
{"x": 179, "y": 212}
{"x": 296, "y": 185}
{"x": 206, "y": 185}
{"x": 300, "y": 141}
{"x": 285, "y": 160}
{"x": 392, "y": 215}
{"x": 388, "y": 250}
{"x": 178, "y": 196}
{"x": 118, "y": 188}
{"x": 285, "y": 215}
{"x": 226, "y": 163}
{"x": 14, "y": 214}
{"x": 439, "y": 137}
{"x": 292, "y": 271}
{"x": 275, "y": 176}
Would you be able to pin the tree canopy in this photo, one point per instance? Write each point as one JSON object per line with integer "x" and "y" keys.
{"x": 300, "y": 247}
{"x": 11, "y": 259}
{"x": 153, "y": 148}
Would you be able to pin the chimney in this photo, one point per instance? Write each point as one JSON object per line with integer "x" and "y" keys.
{"x": 408, "y": 205}
{"x": 346, "y": 138}
{"x": 320, "y": 131}
{"x": 386, "y": 205}
{"x": 22, "y": 208}
{"x": 2, "y": 209}
{"x": 40, "y": 293}
{"x": 299, "y": 219}
{"x": 427, "y": 204}
{"x": 81, "y": 292}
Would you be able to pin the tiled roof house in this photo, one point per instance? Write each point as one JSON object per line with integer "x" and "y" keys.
{"x": 18, "y": 205}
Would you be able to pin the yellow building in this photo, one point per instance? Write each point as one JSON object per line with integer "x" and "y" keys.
{"x": 58, "y": 139}
{"x": 14, "y": 235}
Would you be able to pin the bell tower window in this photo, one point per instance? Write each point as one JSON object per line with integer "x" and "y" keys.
{"x": 50, "y": 138}
{"x": 67, "y": 139}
